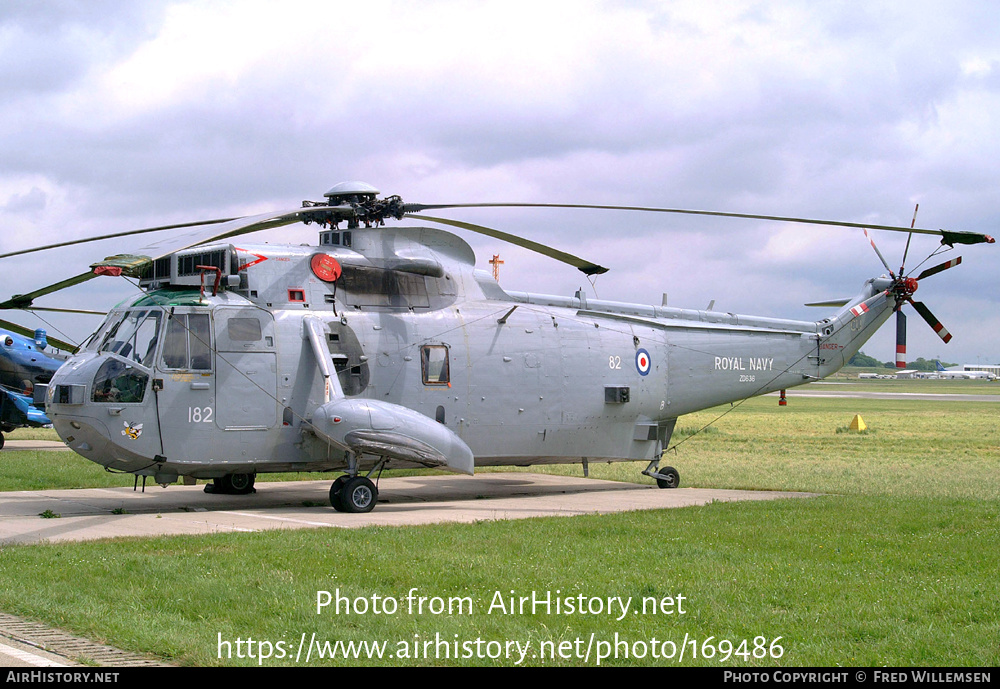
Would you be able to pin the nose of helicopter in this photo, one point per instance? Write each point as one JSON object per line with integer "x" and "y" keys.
{"x": 96, "y": 404}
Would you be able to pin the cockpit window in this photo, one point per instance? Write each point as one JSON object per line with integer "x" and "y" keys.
{"x": 119, "y": 383}
{"x": 97, "y": 338}
{"x": 186, "y": 343}
{"x": 134, "y": 336}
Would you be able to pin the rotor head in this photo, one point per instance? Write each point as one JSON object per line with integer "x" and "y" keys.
{"x": 347, "y": 192}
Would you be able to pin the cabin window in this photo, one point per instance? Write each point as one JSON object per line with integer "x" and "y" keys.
{"x": 187, "y": 343}
{"x": 244, "y": 329}
{"x": 434, "y": 365}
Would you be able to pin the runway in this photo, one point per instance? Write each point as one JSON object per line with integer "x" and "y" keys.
{"x": 93, "y": 513}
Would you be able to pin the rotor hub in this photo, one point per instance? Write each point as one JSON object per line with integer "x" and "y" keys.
{"x": 355, "y": 203}
{"x": 905, "y": 287}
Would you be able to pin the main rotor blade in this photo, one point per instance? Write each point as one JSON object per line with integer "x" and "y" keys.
{"x": 21, "y": 330}
{"x": 87, "y": 312}
{"x": 116, "y": 234}
{"x": 584, "y": 266}
{"x": 133, "y": 264}
{"x": 939, "y": 267}
{"x": 926, "y": 314}
{"x": 23, "y": 301}
{"x": 947, "y": 237}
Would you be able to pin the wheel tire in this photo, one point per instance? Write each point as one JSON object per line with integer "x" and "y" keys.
{"x": 1, "y": 441}
{"x": 337, "y": 492}
{"x": 235, "y": 484}
{"x": 358, "y": 495}
{"x": 672, "y": 480}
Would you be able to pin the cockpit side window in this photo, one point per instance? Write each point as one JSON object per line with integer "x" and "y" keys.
{"x": 200, "y": 338}
{"x": 119, "y": 383}
{"x": 187, "y": 342}
{"x": 174, "y": 353}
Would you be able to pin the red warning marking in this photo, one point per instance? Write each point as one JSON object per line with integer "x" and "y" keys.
{"x": 260, "y": 259}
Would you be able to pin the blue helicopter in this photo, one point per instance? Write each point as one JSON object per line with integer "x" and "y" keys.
{"x": 23, "y": 365}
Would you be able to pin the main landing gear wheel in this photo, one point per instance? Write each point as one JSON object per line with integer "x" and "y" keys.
{"x": 671, "y": 478}
{"x": 357, "y": 494}
{"x": 233, "y": 484}
{"x": 335, "y": 489}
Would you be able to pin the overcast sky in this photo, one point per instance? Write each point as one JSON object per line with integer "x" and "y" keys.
{"x": 119, "y": 115}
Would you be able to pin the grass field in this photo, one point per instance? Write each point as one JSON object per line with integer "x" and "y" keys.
{"x": 895, "y": 565}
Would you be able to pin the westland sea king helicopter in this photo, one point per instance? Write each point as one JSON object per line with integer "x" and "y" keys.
{"x": 384, "y": 346}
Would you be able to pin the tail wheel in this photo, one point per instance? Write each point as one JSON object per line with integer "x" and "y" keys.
{"x": 671, "y": 478}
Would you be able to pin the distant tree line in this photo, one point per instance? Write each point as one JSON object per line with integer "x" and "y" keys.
{"x": 921, "y": 364}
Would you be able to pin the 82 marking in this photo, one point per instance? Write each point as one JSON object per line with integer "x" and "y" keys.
{"x": 199, "y": 415}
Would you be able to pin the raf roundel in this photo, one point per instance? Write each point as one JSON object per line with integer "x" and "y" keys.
{"x": 642, "y": 363}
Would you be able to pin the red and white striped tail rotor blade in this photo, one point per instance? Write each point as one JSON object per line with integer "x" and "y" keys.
{"x": 935, "y": 324}
{"x": 939, "y": 267}
{"x": 878, "y": 253}
{"x": 900, "y": 339}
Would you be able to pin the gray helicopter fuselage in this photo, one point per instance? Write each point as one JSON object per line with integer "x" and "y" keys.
{"x": 429, "y": 363}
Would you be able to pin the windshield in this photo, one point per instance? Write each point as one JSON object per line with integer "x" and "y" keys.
{"x": 133, "y": 336}
{"x": 97, "y": 337}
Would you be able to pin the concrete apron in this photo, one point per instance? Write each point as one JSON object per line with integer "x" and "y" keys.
{"x": 92, "y": 513}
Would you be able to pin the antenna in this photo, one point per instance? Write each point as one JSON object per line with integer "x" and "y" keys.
{"x": 496, "y": 263}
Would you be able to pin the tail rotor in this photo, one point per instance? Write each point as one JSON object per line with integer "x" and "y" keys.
{"x": 903, "y": 288}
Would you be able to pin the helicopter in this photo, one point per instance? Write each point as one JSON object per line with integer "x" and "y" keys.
{"x": 23, "y": 365}
{"x": 384, "y": 347}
